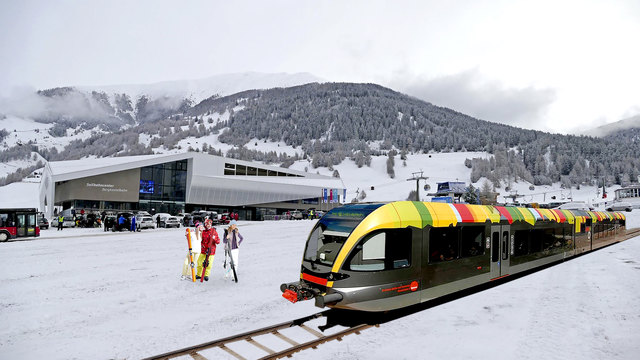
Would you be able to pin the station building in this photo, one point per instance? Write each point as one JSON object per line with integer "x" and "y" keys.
{"x": 185, "y": 182}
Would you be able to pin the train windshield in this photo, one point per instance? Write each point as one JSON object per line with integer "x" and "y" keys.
{"x": 332, "y": 231}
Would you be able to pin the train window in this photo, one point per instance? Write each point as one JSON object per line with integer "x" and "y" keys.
{"x": 472, "y": 240}
{"x": 383, "y": 250}
{"x": 323, "y": 245}
{"x": 568, "y": 236}
{"x": 326, "y": 239}
{"x": 520, "y": 243}
{"x": 505, "y": 245}
{"x": 443, "y": 244}
{"x": 535, "y": 245}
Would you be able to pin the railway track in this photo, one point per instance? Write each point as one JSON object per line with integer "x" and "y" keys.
{"x": 628, "y": 234}
{"x": 271, "y": 342}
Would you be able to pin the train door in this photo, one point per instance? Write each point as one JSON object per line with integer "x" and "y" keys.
{"x": 501, "y": 243}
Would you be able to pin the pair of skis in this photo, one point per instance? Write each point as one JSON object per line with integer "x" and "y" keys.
{"x": 191, "y": 263}
{"x": 227, "y": 253}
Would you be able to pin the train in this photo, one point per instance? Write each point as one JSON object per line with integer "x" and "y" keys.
{"x": 377, "y": 257}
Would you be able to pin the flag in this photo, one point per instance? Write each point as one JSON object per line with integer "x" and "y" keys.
{"x": 324, "y": 195}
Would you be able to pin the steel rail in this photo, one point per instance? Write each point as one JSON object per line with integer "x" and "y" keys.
{"x": 249, "y": 337}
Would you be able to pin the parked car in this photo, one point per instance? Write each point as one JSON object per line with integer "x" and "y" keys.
{"x": 160, "y": 216}
{"x": 124, "y": 226}
{"x": 180, "y": 217}
{"x": 171, "y": 221}
{"x": 224, "y": 218}
{"x": 296, "y": 215}
{"x": 109, "y": 222}
{"x": 145, "y": 222}
{"x": 43, "y": 223}
{"x": 201, "y": 215}
{"x": 69, "y": 221}
{"x": 214, "y": 217}
{"x": 620, "y": 206}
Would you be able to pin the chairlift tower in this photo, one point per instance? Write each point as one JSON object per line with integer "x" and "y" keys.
{"x": 417, "y": 176}
{"x": 514, "y": 196}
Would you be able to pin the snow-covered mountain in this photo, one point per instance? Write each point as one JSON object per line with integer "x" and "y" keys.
{"x": 122, "y": 104}
{"x": 608, "y": 129}
{"x": 324, "y": 124}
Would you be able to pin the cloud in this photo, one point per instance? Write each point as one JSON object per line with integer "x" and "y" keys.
{"x": 470, "y": 93}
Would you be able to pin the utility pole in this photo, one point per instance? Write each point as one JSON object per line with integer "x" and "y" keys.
{"x": 417, "y": 178}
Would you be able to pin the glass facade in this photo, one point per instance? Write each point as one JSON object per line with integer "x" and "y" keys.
{"x": 237, "y": 169}
{"x": 163, "y": 187}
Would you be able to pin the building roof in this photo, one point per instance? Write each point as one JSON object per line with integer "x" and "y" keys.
{"x": 20, "y": 195}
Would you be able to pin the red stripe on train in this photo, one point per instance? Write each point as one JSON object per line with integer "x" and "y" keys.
{"x": 314, "y": 279}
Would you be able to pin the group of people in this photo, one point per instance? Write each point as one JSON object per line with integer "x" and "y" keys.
{"x": 209, "y": 241}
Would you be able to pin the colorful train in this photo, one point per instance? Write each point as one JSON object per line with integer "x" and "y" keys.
{"x": 385, "y": 256}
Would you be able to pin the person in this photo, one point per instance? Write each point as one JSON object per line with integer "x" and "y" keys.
{"x": 121, "y": 222}
{"x": 60, "y": 221}
{"x": 133, "y": 223}
{"x": 196, "y": 231}
{"x": 208, "y": 244}
{"x": 158, "y": 221}
{"x": 232, "y": 239}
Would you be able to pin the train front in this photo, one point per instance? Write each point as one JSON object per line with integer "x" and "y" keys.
{"x": 318, "y": 274}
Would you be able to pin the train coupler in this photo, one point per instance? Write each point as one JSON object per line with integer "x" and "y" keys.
{"x": 295, "y": 292}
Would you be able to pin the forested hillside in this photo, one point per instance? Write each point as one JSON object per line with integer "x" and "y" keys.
{"x": 334, "y": 121}
{"x": 329, "y": 123}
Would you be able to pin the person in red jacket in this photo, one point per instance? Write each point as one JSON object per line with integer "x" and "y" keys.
{"x": 209, "y": 241}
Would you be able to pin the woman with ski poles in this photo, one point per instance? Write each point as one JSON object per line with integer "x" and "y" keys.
{"x": 232, "y": 240}
{"x": 207, "y": 249}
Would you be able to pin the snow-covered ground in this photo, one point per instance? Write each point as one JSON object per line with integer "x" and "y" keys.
{"x": 87, "y": 294}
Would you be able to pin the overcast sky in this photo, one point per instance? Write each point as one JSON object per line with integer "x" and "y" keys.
{"x": 551, "y": 65}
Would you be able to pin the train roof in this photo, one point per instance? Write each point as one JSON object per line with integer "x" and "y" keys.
{"x": 421, "y": 214}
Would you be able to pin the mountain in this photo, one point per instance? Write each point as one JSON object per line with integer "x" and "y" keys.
{"x": 334, "y": 121}
{"x": 118, "y": 105}
{"x": 326, "y": 124}
{"x": 616, "y": 127}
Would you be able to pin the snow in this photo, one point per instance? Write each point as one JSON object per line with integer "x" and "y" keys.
{"x": 87, "y": 294}
{"x": 24, "y": 130}
{"x": 20, "y": 195}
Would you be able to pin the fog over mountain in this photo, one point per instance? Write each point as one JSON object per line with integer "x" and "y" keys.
{"x": 200, "y": 89}
{"x": 616, "y": 127}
